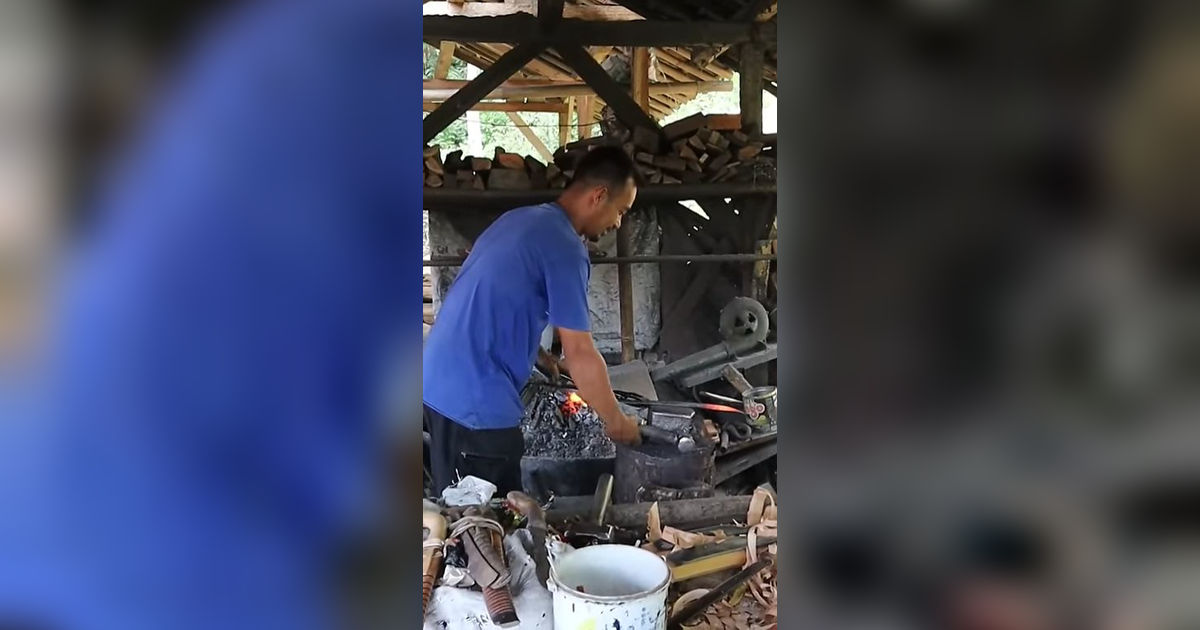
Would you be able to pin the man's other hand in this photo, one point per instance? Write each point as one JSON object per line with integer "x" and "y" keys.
{"x": 549, "y": 364}
{"x": 623, "y": 431}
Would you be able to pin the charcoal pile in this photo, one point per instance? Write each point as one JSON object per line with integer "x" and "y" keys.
{"x": 557, "y": 424}
{"x": 554, "y": 427}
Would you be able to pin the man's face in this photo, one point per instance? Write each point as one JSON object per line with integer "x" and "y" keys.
{"x": 608, "y": 206}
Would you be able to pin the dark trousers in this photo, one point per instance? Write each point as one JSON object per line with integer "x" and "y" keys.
{"x": 456, "y": 451}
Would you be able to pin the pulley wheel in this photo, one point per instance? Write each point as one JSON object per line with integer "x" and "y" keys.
{"x": 744, "y": 318}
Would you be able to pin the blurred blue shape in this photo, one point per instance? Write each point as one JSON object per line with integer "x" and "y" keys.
{"x": 209, "y": 429}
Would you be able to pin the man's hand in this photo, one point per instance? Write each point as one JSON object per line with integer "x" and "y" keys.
{"x": 549, "y": 364}
{"x": 624, "y": 430}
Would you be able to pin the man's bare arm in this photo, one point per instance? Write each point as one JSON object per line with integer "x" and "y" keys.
{"x": 590, "y": 374}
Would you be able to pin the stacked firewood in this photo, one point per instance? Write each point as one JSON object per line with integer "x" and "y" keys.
{"x": 503, "y": 171}
{"x": 697, "y": 149}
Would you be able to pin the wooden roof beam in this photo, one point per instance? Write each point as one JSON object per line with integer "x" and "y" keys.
{"x": 532, "y": 88}
{"x": 548, "y": 107}
{"x": 477, "y": 89}
{"x": 524, "y": 28}
{"x": 591, "y": 12}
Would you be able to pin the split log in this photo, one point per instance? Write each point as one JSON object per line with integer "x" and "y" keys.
{"x": 684, "y": 127}
{"x": 509, "y": 179}
{"x": 433, "y": 181}
{"x": 668, "y": 163}
{"x": 749, "y": 151}
{"x": 480, "y": 164}
{"x": 646, "y": 139}
{"x": 510, "y": 161}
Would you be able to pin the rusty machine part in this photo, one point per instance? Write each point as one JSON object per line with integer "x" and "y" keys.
{"x": 744, "y": 318}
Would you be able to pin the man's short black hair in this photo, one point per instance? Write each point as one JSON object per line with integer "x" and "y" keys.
{"x": 607, "y": 165}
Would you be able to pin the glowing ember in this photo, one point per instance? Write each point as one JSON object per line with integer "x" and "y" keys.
{"x": 573, "y": 404}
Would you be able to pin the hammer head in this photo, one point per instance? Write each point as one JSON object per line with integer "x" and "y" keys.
{"x": 659, "y": 435}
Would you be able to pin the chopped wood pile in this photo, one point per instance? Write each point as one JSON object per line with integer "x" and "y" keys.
{"x": 698, "y": 149}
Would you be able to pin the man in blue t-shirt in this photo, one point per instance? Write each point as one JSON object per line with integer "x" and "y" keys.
{"x": 528, "y": 269}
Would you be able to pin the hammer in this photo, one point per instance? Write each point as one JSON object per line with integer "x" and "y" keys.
{"x": 659, "y": 435}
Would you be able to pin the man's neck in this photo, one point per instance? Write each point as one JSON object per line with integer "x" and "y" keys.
{"x": 567, "y": 204}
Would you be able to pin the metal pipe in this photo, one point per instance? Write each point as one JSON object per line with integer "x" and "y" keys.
{"x": 457, "y": 261}
{"x": 720, "y": 353}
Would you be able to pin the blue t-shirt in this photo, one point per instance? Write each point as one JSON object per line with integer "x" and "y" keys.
{"x": 529, "y": 268}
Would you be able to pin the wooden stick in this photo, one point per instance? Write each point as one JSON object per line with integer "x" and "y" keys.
{"x": 431, "y": 557}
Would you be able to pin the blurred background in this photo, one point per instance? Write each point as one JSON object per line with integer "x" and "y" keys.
{"x": 1000, "y": 221}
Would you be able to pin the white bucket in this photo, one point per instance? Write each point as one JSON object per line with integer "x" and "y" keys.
{"x": 610, "y": 587}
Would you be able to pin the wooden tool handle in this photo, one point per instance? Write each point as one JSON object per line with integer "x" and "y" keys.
{"x": 431, "y": 556}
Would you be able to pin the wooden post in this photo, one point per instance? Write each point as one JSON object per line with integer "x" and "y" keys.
{"x": 640, "y": 79}
{"x": 585, "y": 114}
{"x": 752, "y": 59}
{"x": 621, "y": 102}
{"x": 564, "y": 121}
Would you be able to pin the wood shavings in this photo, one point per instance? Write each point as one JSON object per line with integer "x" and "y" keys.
{"x": 653, "y": 524}
{"x": 686, "y": 599}
{"x": 763, "y": 520}
{"x": 762, "y": 507}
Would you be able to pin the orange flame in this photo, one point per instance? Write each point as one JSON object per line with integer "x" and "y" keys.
{"x": 573, "y": 404}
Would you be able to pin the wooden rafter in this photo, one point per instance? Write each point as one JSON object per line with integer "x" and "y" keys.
{"x": 549, "y": 107}
{"x": 564, "y": 123}
{"x": 532, "y": 137}
{"x": 477, "y": 89}
{"x": 527, "y": 88}
{"x": 549, "y": 13}
{"x": 522, "y": 28}
{"x": 626, "y": 110}
{"x": 445, "y": 58}
{"x": 590, "y": 12}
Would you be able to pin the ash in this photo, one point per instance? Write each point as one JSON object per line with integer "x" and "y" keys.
{"x": 549, "y": 434}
